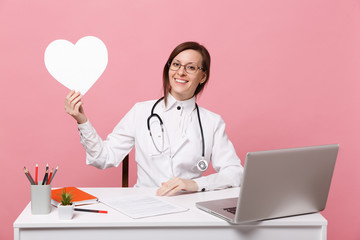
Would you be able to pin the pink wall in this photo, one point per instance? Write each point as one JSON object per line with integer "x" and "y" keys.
{"x": 284, "y": 74}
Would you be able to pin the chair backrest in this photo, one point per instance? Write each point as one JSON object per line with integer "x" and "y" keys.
{"x": 125, "y": 172}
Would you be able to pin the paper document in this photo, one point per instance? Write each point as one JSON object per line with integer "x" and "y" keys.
{"x": 142, "y": 206}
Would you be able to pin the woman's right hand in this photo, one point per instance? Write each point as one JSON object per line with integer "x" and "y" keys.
{"x": 73, "y": 106}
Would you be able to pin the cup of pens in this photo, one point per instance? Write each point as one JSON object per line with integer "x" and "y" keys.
{"x": 40, "y": 191}
{"x": 40, "y": 199}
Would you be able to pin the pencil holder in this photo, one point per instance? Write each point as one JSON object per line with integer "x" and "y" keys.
{"x": 40, "y": 199}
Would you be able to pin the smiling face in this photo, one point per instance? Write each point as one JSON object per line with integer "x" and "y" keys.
{"x": 183, "y": 84}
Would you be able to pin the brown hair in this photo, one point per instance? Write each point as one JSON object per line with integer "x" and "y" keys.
{"x": 205, "y": 65}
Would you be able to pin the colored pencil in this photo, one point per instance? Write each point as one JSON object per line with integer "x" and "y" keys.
{"x": 32, "y": 180}
{"x": 36, "y": 173}
{"x": 54, "y": 174}
{"x": 45, "y": 177}
{"x": 90, "y": 210}
{"x": 28, "y": 176}
{"x": 51, "y": 173}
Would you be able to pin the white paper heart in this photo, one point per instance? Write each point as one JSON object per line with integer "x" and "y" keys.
{"x": 76, "y": 66}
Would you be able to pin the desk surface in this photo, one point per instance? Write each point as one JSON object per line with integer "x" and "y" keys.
{"x": 191, "y": 218}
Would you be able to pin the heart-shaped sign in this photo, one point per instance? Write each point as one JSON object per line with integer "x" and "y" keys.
{"x": 76, "y": 66}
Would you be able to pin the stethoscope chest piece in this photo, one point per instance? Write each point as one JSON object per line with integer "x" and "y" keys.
{"x": 202, "y": 165}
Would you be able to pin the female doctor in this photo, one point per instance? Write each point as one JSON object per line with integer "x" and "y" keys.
{"x": 174, "y": 138}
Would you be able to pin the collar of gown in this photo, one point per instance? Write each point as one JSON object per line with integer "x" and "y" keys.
{"x": 187, "y": 105}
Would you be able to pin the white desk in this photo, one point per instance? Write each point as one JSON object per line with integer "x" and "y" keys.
{"x": 193, "y": 224}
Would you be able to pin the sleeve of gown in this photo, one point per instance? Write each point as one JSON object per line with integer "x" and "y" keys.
{"x": 110, "y": 152}
{"x": 225, "y": 162}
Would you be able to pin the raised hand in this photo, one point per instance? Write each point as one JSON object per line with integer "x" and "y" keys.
{"x": 73, "y": 106}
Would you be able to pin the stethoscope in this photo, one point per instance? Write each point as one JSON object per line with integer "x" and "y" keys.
{"x": 202, "y": 164}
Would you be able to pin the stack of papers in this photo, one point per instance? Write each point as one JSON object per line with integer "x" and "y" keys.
{"x": 142, "y": 206}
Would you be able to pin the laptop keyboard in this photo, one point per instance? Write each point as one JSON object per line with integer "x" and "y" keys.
{"x": 231, "y": 210}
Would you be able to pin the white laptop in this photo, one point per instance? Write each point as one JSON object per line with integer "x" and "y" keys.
{"x": 279, "y": 183}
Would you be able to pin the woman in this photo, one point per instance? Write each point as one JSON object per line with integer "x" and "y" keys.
{"x": 183, "y": 137}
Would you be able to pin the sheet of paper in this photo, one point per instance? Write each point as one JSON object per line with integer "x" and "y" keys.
{"x": 142, "y": 206}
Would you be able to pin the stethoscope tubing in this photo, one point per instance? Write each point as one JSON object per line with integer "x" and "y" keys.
{"x": 202, "y": 165}
{"x": 201, "y": 131}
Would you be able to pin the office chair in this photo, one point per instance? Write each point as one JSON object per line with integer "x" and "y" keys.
{"x": 125, "y": 172}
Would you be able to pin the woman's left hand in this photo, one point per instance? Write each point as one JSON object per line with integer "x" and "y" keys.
{"x": 175, "y": 185}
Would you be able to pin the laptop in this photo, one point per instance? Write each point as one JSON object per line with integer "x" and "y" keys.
{"x": 279, "y": 183}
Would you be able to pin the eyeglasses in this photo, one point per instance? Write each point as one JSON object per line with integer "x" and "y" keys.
{"x": 190, "y": 68}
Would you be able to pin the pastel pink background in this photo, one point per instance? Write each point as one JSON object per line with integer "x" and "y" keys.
{"x": 284, "y": 74}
